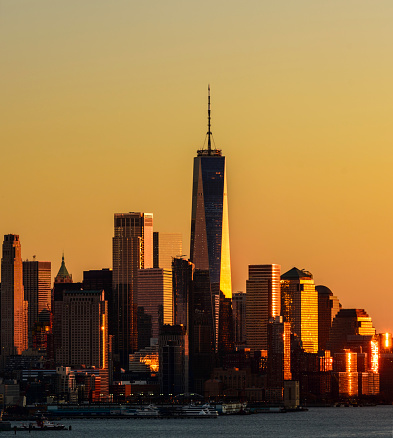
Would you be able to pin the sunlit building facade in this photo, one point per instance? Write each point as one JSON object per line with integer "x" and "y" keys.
{"x": 299, "y": 306}
{"x": 132, "y": 250}
{"x": 155, "y": 297}
{"x": 14, "y": 307}
{"x": 263, "y": 302}
{"x": 166, "y": 246}
{"x": 37, "y": 287}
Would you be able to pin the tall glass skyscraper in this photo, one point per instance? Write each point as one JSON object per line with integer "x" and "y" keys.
{"x": 209, "y": 249}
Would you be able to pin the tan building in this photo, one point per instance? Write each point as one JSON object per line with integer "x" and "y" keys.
{"x": 166, "y": 246}
{"x": 14, "y": 308}
{"x": 299, "y": 306}
{"x": 84, "y": 328}
{"x": 263, "y": 302}
{"x": 155, "y": 297}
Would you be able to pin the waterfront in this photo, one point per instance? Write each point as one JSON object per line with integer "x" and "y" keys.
{"x": 342, "y": 422}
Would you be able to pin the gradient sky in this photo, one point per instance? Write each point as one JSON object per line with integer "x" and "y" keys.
{"x": 103, "y": 106}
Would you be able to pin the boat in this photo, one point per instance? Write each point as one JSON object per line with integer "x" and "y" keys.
{"x": 42, "y": 424}
{"x": 150, "y": 411}
{"x": 197, "y": 411}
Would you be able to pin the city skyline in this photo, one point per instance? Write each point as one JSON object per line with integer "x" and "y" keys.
{"x": 301, "y": 108}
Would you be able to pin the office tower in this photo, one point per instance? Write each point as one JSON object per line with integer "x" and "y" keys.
{"x": 201, "y": 330}
{"x": 328, "y": 307}
{"x": 155, "y": 298}
{"x": 173, "y": 357}
{"x": 182, "y": 278}
{"x": 209, "y": 249}
{"x": 299, "y": 306}
{"x": 351, "y": 328}
{"x": 225, "y": 327}
{"x": 239, "y": 317}
{"x": 63, "y": 281}
{"x": 14, "y": 307}
{"x": 279, "y": 352}
{"x": 166, "y": 246}
{"x": 99, "y": 279}
{"x": 345, "y": 375}
{"x": 132, "y": 250}
{"x": 37, "y": 287}
{"x": 84, "y": 328}
{"x": 263, "y": 303}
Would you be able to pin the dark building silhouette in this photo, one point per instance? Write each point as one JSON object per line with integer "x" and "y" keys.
{"x": 132, "y": 250}
{"x": 279, "y": 352}
{"x": 328, "y": 307}
{"x": 201, "y": 331}
{"x": 239, "y": 300}
{"x": 63, "y": 281}
{"x": 173, "y": 359}
{"x": 351, "y": 328}
{"x": 182, "y": 283}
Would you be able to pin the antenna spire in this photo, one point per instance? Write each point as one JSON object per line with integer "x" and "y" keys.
{"x": 209, "y": 134}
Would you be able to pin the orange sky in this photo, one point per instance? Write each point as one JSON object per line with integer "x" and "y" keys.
{"x": 103, "y": 106}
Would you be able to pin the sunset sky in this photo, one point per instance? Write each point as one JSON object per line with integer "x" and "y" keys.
{"x": 103, "y": 106}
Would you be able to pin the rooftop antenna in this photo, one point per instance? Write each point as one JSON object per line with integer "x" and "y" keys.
{"x": 209, "y": 134}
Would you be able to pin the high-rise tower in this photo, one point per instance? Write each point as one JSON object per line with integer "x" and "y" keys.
{"x": 13, "y": 306}
{"x": 132, "y": 250}
{"x": 209, "y": 249}
{"x": 37, "y": 285}
{"x": 263, "y": 303}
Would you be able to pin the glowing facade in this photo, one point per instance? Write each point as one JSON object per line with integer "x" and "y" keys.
{"x": 13, "y": 305}
{"x": 37, "y": 285}
{"x": 299, "y": 306}
{"x": 263, "y": 302}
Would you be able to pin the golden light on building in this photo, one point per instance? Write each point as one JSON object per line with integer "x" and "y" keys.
{"x": 388, "y": 340}
{"x": 151, "y": 360}
{"x": 374, "y": 356}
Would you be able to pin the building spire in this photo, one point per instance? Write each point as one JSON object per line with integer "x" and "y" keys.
{"x": 209, "y": 134}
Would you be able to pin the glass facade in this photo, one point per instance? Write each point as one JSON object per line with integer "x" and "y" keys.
{"x": 209, "y": 221}
{"x": 299, "y": 306}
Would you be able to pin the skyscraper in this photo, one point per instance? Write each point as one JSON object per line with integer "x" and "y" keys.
{"x": 279, "y": 352}
{"x": 166, "y": 246}
{"x": 155, "y": 298}
{"x": 299, "y": 306}
{"x": 132, "y": 250}
{"x": 328, "y": 307}
{"x": 13, "y": 305}
{"x": 84, "y": 328}
{"x": 37, "y": 286}
{"x": 209, "y": 249}
{"x": 239, "y": 300}
{"x": 263, "y": 302}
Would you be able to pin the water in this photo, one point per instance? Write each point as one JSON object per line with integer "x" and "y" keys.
{"x": 342, "y": 422}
